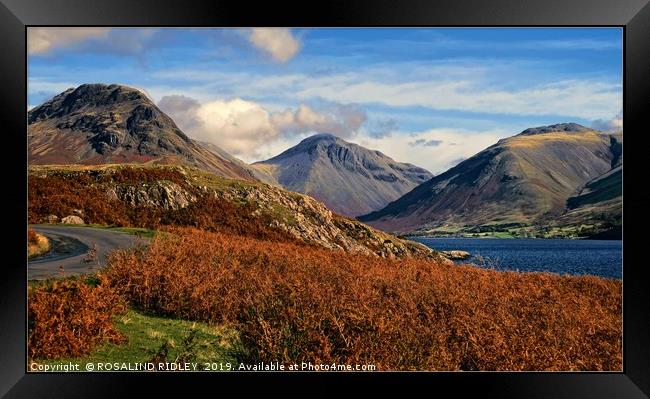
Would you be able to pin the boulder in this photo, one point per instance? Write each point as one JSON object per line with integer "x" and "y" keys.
{"x": 52, "y": 219}
{"x": 455, "y": 254}
{"x": 72, "y": 219}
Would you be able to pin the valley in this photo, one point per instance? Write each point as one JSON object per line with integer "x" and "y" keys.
{"x": 559, "y": 181}
{"x": 307, "y": 254}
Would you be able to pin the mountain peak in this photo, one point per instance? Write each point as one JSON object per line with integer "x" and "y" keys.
{"x": 349, "y": 178}
{"x": 109, "y": 123}
{"x": 321, "y": 140}
{"x": 313, "y": 144}
{"x": 101, "y": 90}
{"x": 322, "y": 136}
{"x": 558, "y": 127}
{"x": 97, "y": 95}
{"x": 518, "y": 180}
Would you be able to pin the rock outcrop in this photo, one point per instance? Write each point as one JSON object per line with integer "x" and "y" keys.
{"x": 72, "y": 219}
{"x": 455, "y": 254}
{"x": 310, "y": 220}
{"x": 164, "y": 194}
{"x": 303, "y": 217}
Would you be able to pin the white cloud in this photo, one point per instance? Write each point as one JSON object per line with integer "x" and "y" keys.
{"x": 252, "y": 132}
{"x": 44, "y": 40}
{"x": 452, "y": 145}
{"x": 182, "y": 109}
{"x": 584, "y": 99}
{"x": 248, "y": 129}
{"x": 238, "y": 126}
{"x": 279, "y": 43}
{"x": 439, "y": 87}
{"x": 338, "y": 119}
{"x": 609, "y": 125}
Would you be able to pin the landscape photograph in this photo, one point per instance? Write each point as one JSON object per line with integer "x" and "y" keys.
{"x": 324, "y": 199}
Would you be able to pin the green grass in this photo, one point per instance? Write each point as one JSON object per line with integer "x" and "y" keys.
{"x": 138, "y": 231}
{"x": 89, "y": 279}
{"x": 281, "y": 213}
{"x": 147, "y": 334}
{"x": 463, "y": 234}
{"x": 502, "y": 234}
{"x": 210, "y": 180}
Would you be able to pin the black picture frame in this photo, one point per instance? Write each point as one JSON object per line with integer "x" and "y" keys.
{"x": 633, "y": 15}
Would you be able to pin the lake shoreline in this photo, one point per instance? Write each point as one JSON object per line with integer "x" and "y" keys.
{"x": 503, "y": 236}
{"x": 468, "y": 237}
{"x": 521, "y": 232}
{"x": 602, "y": 258}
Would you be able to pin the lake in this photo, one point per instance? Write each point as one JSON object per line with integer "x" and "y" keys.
{"x": 598, "y": 257}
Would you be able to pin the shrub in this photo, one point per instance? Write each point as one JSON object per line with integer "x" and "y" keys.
{"x": 296, "y": 303}
{"x": 32, "y": 237}
{"x": 37, "y": 244}
{"x": 61, "y": 193}
{"x": 69, "y": 317}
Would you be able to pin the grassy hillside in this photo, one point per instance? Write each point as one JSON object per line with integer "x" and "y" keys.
{"x": 150, "y": 196}
{"x": 525, "y": 179}
{"x": 160, "y": 339}
{"x": 259, "y": 274}
{"x": 291, "y": 303}
{"x": 604, "y": 188}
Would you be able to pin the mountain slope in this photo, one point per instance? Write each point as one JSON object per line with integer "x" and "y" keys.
{"x": 98, "y": 124}
{"x": 349, "y": 179}
{"x": 522, "y": 179}
{"x": 603, "y": 188}
{"x": 597, "y": 209}
{"x": 171, "y": 195}
{"x": 254, "y": 173}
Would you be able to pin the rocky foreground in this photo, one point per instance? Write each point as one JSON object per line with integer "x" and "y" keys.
{"x": 173, "y": 190}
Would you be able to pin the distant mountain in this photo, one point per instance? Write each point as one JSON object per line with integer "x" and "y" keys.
{"x": 99, "y": 124}
{"x": 254, "y": 173}
{"x": 350, "y": 179}
{"x": 599, "y": 203}
{"x": 524, "y": 179}
{"x": 560, "y": 127}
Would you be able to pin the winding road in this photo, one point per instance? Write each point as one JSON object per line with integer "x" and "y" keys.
{"x": 72, "y": 250}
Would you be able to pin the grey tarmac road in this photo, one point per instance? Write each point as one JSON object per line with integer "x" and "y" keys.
{"x": 72, "y": 249}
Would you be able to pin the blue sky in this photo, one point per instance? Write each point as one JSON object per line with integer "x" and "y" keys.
{"x": 427, "y": 96}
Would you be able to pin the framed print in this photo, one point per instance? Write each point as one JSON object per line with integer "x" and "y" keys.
{"x": 429, "y": 194}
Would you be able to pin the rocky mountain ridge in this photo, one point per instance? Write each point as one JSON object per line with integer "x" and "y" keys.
{"x": 102, "y": 124}
{"x": 303, "y": 217}
{"x": 348, "y": 178}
